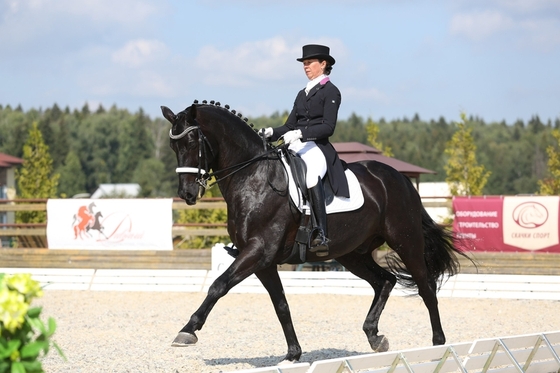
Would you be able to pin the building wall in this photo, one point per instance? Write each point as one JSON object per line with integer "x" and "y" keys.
{"x": 7, "y": 191}
{"x": 434, "y": 193}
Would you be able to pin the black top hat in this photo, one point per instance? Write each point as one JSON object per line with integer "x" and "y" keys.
{"x": 316, "y": 51}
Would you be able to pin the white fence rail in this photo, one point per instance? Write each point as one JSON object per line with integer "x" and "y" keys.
{"x": 295, "y": 282}
{"x": 533, "y": 353}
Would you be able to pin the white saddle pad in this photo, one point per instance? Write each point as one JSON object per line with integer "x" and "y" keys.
{"x": 339, "y": 204}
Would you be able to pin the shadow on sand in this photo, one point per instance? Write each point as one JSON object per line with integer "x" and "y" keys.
{"x": 267, "y": 361}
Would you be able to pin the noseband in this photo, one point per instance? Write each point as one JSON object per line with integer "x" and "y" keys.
{"x": 202, "y": 174}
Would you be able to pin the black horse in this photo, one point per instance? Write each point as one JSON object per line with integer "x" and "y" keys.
{"x": 262, "y": 222}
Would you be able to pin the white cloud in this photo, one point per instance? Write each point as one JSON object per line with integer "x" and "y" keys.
{"x": 140, "y": 52}
{"x": 266, "y": 59}
{"x": 271, "y": 59}
{"x": 526, "y": 24}
{"x": 480, "y": 25}
{"x": 28, "y": 22}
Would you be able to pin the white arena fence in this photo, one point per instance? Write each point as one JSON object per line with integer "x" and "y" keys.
{"x": 532, "y": 353}
{"x": 295, "y": 282}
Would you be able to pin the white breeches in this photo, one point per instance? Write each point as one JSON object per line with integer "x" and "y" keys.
{"x": 314, "y": 160}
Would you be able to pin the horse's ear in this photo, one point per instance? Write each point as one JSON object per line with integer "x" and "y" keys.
{"x": 168, "y": 114}
{"x": 191, "y": 112}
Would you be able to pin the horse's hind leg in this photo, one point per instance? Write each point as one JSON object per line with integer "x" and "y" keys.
{"x": 413, "y": 259}
{"x": 382, "y": 282}
{"x": 271, "y": 281}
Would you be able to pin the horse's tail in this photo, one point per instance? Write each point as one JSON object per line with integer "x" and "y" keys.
{"x": 440, "y": 255}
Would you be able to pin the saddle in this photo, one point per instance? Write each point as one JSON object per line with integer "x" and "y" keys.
{"x": 296, "y": 169}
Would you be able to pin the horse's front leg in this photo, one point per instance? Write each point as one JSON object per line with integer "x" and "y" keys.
{"x": 244, "y": 265}
{"x": 271, "y": 281}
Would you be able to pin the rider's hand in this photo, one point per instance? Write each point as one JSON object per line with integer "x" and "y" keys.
{"x": 292, "y": 136}
{"x": 266, "y": 132}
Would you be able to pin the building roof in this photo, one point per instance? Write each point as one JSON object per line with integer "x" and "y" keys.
{"x": 7, "y": 161}
{"x": 355, "y": 151}
{"x": 116, "y": 190}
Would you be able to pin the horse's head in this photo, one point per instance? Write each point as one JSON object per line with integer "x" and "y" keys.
{"x": 192, "y": 150}
{"x": 210, "y": 137}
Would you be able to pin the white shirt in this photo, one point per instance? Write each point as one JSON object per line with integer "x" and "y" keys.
{"x": 312, "y": 83}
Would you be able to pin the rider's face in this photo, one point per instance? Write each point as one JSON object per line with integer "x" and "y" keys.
{"x": 313, "y": 68}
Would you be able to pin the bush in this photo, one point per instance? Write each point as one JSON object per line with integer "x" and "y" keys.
{"x": 24, "y": 338}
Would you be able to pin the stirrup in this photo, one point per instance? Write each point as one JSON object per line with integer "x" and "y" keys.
{"x": 320, "y": 245}
{"x": 320, "y": 250}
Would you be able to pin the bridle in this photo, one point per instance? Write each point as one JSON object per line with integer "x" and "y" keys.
{"x": 202, "y": 173}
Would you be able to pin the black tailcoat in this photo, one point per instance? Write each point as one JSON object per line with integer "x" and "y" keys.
{"x": 315, "y": 114}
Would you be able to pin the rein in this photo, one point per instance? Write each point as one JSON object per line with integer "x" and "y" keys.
{"x": 239, "y": 167}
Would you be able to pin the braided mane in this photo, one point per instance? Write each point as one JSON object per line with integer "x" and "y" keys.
{"x": 226, "y": 108}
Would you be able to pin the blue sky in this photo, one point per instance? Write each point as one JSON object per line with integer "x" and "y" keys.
{"x": 496, "y": 59}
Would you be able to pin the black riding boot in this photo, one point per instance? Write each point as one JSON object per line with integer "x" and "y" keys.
{"x": 319, "y": 245}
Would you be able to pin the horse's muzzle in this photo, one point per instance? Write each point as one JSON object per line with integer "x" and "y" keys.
{"x": 190, "y": 193}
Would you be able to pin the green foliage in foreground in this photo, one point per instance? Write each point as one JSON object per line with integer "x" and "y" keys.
{"x": 24, "y": 338}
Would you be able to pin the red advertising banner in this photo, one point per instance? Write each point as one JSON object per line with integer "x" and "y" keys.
{"x": 514, "y": 224}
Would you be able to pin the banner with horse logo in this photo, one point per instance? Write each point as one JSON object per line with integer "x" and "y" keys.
{"x": 105, "y": 224}
{"x": 516, "y": 223}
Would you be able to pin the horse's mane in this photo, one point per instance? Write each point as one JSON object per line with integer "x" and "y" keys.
{"x": 233, "y": 124}
{"x": 238, "y": 118}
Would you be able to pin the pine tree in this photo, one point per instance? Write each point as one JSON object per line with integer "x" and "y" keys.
{"x": 72, "y": 177}
{"x": 35, "y": 179}
{"x": 373, "y": 132}
{"x": 551, "y": 185}
{"x": 464, "y": 175}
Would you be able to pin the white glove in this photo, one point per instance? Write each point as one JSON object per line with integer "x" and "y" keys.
{"x": 291, "y": 136}
{"x": 266, "y": 132}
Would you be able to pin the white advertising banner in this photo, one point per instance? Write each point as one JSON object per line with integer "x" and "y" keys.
{"x": 531, "y": 222}
{"x": 110, "y": 224}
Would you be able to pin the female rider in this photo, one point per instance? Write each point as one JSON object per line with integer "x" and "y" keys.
{"x": 307, "y": 130}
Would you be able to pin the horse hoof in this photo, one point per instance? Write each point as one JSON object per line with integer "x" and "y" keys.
{"x": 184, "y": 340}
{"x": 379, "y": 344}
{"x": 286, "y": 362}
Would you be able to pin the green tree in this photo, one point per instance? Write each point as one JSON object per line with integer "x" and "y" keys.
{"x": 72, "y": 177}
{"x": 551, "y": 185}
{"x": 350, "y": 130}
{"x": 149, "y": 174}
{"x": 14, "y": 127}
{"x": 35, "y": 179}
{"x": 373, "y": 133}
{"x": 464, "y": 175}
{"x": 135, "y": 145}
